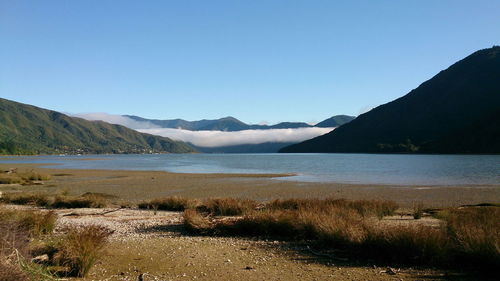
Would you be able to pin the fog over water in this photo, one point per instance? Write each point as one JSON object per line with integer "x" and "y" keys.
{"x": 222, "y": 138}
{"x": 212, "y": 138}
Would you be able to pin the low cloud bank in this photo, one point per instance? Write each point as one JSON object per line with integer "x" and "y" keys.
{"x": 221, "y": 138}
{"x": 116, "y": 119}
{"x": 211, "y": 138}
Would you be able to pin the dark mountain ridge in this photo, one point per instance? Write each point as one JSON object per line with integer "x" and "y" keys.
{"x": 456, "y": 111}
{"x": 335, "y": 121}
{"x": 232, "y": 124}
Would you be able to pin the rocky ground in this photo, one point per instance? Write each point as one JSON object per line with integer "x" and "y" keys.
{"x": 155, "y": 246}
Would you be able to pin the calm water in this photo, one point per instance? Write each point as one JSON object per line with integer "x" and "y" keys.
{"x": 342, "y": 168}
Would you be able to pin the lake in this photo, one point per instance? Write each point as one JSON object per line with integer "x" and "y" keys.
{"x": 342, "y": 168}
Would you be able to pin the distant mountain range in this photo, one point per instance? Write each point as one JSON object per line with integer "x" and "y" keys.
{"x": 231, "y": 124}
{"x": 457, "y": 111}
{"x": 26, "y": 129}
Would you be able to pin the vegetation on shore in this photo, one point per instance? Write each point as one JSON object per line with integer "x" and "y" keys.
{"x": 13, "y": 176}
{"x": 56, "y": 201}
{"x": 30, "y": 251}
{"x": 466, "y": 236}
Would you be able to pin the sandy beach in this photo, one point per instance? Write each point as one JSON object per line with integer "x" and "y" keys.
{"x": 135, "y": 186}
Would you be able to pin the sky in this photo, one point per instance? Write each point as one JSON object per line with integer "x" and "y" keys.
{"x": 261, "y": 61}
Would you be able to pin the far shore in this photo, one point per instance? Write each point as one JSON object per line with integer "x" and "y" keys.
{"x": 136, "y": 186}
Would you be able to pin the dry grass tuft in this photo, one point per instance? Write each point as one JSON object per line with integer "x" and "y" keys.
{"x": 10, "y": 271}
{"x": 17, "y": 229}
{"x": 39, "y": 223}
{"x": 81, "y": 247}
{"x": 363, "y": 207}
{"x": 417, "y": 244}
{"x": 173, "y": 203}
{"x": 26, "y": 198}
{"x": 69, "y": 202}
{"x": 228, "y": 206}
{"x": 25, "y": 178}
{"x": 466, "y": 237}
{"x": 88, "y": 200}
{"x": 36, "y": 223}
{"x": 475, "y": 234}
{"x": 418, "y": 210}
{"x": 195, "y": 222}
{"x": 9, "y": 180}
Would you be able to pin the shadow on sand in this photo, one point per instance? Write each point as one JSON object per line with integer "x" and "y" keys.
{"x": 308, "y": 252}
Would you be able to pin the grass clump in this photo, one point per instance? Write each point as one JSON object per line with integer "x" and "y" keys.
{"x": 88, "y": 200}
{"x": 33, "y": 176}
{"x": 13, "y": 176}
{"x": 17, "y": 229}
{"x": 9, "y": 180}
{"x": 69, "y": 202}
{"x": 466, "y": 236}
{"x": 195, "y": 222}
{"x": 24, "y": 234}
{"x": 364, "y": 207}
{"x": 418, "y": 210}
{"x": 228, "y": 206}
{"x": 410, "y": 244}
{"x": 36, "y": 223}
{"x": 172, "y": 203}
{"x": 281, "y": 223}
{"x": 475, "y": 234}
{"x": 28, "y": 198}
{"x": 10, "y": 271}
{"x": 81, "y": 247}
{"x": 333, "y": 226}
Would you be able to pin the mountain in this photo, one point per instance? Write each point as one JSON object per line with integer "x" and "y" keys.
{"x": 232, "y": 124}
{"x": 335, "y": 121}
{"x": 222, "y": 124}
{"x": 26, "y": 129}
{"x": 456, "y": 111}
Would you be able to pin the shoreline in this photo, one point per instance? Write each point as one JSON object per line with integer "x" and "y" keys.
{"x": 270, "y": 176}
{"x": 136, "y": 186}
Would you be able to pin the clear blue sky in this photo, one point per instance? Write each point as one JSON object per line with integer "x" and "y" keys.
{"x": 255, "y": 60}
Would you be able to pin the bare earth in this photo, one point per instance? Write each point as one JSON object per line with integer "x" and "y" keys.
{"x": 158, "y": 247}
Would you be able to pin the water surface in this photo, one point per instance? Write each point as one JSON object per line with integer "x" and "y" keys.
{"x": 342, "y": 168}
